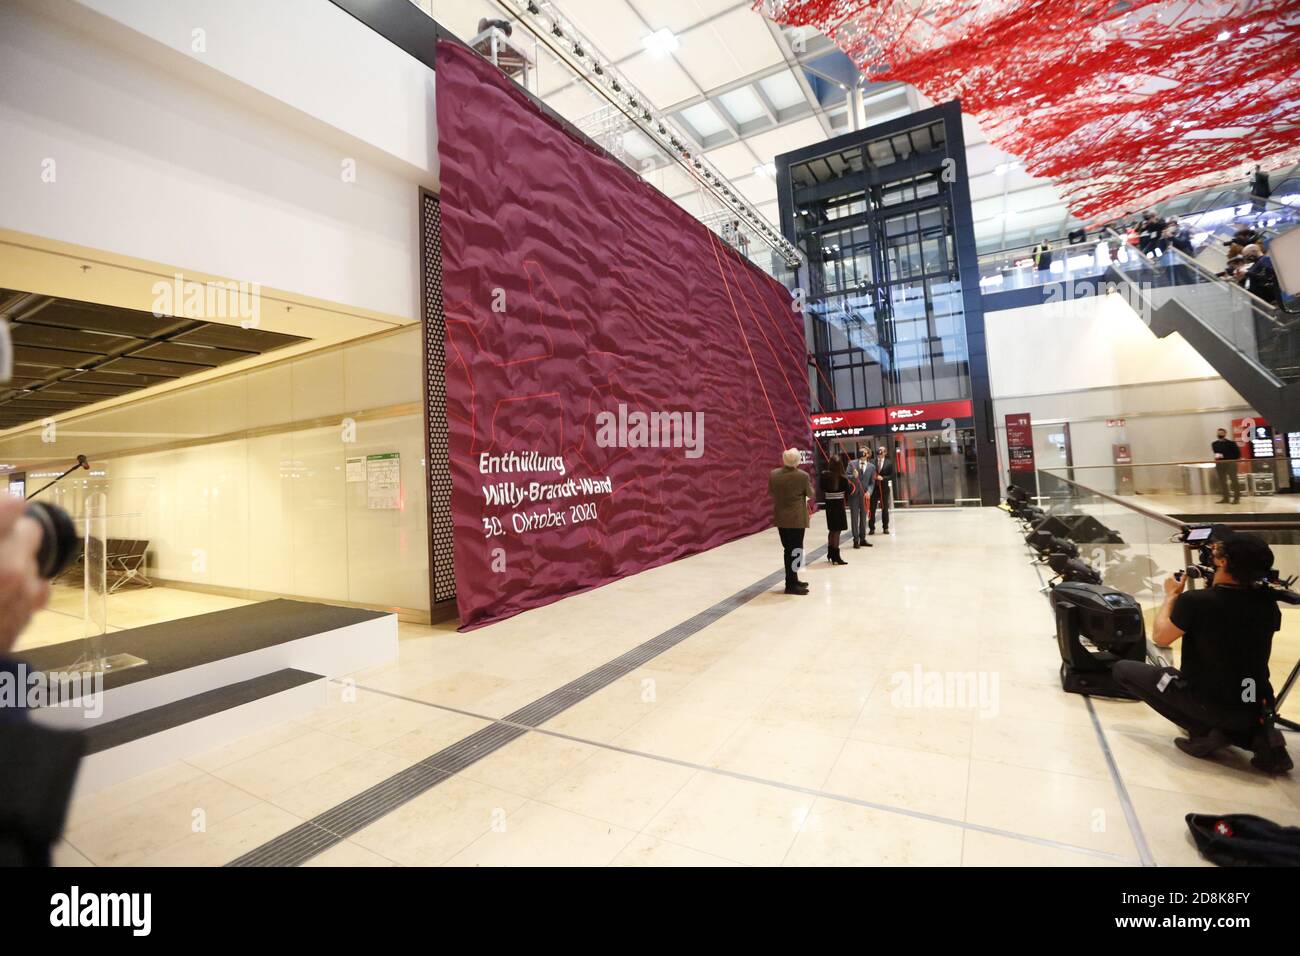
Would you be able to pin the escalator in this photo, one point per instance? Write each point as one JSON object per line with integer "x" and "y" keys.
{"x": 1252, "y": 344}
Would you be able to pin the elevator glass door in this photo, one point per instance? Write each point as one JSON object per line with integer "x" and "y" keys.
{"x": 936, "y": 468}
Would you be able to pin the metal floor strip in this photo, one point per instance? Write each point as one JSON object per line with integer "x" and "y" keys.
{"x": 1130, "y": 812}
{"x": 1125, "y": 802}
{"x": 330, "y": 827}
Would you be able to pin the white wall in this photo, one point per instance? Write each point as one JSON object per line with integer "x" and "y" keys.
{"x": 1091, "y": 359}
{"x": 267, "y": 509}
{"x": 227, "y": 161}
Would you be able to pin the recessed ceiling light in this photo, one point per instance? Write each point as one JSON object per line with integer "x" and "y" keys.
{"x": 662, "y": 42}
{"x": 765, "y": 169}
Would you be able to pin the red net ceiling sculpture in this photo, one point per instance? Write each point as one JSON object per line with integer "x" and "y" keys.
{"x": 1120, "y": 103}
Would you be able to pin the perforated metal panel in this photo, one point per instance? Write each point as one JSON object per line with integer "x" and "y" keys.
{"x": 442, "y": 576}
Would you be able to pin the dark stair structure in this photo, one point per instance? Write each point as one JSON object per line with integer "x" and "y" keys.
{"x": 1255, "y": 346}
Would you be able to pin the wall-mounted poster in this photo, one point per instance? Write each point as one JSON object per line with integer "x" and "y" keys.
{"x": 355, "y": 469}
{"x": 384, "y": 481}
{"x": 1020, "y": 444}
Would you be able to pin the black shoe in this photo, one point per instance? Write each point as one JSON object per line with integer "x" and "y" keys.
{"x": 856, "y": 545}
{"x": 872, "y": 531}
{"x": 1202, "y": 747}
{"x": 867, "y": 544}
{"x": 1223, "y": 501}
{"x": 797, "y": 590}
{"x": 1236, "y": 501}
{"x": 1270, "y": 752}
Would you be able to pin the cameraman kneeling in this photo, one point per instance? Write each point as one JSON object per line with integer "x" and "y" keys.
{"x": 1222, "y": 692}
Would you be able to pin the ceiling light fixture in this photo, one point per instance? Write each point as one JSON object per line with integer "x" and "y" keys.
{"x": 661, "y": 43}
{"x": 765, "y": 169}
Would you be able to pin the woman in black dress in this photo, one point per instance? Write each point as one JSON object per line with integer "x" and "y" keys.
{"x": 834, "y": 487}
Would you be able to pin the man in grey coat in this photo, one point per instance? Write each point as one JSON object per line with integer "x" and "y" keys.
{"x": 791, "y": 488}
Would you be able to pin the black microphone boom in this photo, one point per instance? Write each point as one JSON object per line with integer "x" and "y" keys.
{"x": 81, "y": 463}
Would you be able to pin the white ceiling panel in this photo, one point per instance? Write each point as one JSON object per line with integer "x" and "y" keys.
{"x": 742, "y": 105}
{"x": 783, "y": 90}
{"x": 733, "y": 160}
{"x": 792, "y": 136}
{"x": 704, "y": 120}
{"x": 1027, "y": 200}
{"x": 748, "y": 40}
{"x": 676, "y": 15}
{"x": 611, "y": 25}
{"x": 757, "y": 189}
{"x": 659, "y": 78}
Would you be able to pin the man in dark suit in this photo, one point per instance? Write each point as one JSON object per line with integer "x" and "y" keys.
{"x": 859, "y": 474}
{"x": 880, "y": 491}
{"x": 791, "y": 488}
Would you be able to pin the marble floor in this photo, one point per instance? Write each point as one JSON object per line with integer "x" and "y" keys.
{"x": 906, "y": 712}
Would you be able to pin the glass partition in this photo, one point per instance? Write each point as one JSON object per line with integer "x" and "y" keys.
{"x": 1194, "y": 487}
{"x": 95, "y": 594}
{"x": 1022, "y": 267}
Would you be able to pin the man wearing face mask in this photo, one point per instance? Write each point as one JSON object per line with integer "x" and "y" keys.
{"x": 882, "y": 479}
{"x": 1226, "y": 456}
{"x": 860, "y": 473}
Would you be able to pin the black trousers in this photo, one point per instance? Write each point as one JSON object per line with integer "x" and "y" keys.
{"x": 1228, "y": 476}
{"x": 879, "y": 498}
{"x": 792, "y": 545}
{"x": 1180, "y": 704}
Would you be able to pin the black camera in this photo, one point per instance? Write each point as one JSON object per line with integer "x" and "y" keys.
{"x": 1202, "y": 537}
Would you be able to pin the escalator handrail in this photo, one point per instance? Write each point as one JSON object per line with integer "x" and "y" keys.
{"x": 1260, "y": 305}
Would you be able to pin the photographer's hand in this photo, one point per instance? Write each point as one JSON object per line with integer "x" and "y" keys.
{"x": 1164, "y": 632}
{"x": 22, "y": 590}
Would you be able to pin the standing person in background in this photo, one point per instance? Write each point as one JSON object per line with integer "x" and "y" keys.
{"x": 834, "y": 487}
{"x": 1226, "y": 455}
{"x": 861, "y": 471}
{"x": 880, "y": 491}
{"x": 1043, "y": 256}
{"x": 1149, "y": 231}
{"x": 791, "y": 489}
{"x": 1259, "y": 279}
{"x": 1178, "y": 238}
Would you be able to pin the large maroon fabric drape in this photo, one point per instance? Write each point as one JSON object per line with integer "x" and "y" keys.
{"x": 580, "y": 298}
